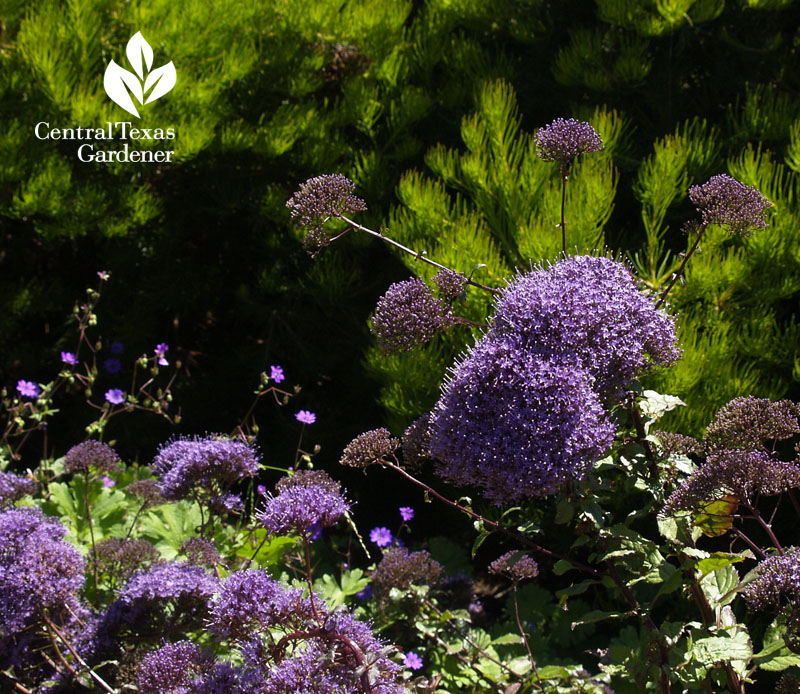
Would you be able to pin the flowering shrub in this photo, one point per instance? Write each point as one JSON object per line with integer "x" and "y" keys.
{"x": 189, "y": 575}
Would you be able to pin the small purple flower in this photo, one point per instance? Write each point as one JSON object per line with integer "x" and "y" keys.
{"x": 305, "y": 501}
{"x": 406, "y": 513}
{"x": 112, "y": 365}
{"x": 723, "y": 200}
{"x": 450, "y": 284}
{"x": 365, "y": 593}
{"x": 320, "y": 199}
{"x": 91, "y": 454}
{"x": 161, "y": 349}
{"x": 28, "y": 389}
{"x": 369, "y": 448}
{"x": 276, "y": 374}
{"x": 412, "y": 661}
{"x": 261, "y": 489}
{"x": 103, "y": 275}
{"x": 409, "y": 315}
{"x": 107, "y": 481}
{"x": 115, "y": 396}
{"x": 381, "y": 536}
{"x": 69, "y": 358}
{"x": 563, "y": 140}
{"x": 14, "y": 487}
{"x": 116, "y": 347}
{"x": 399, "y": 569}
{"x": 515, "y": 565}
{"x": 306, "y": 417}
{"x": 212, "y": 463}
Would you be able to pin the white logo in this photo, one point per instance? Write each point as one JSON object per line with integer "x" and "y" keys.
{"x": 120, "y": 83}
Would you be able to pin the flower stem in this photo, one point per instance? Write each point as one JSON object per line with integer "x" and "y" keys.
{"x": 767, "y": 527}
{"x": 417, "y": 255}
{"x": 91, "y": 533}
{"x": 492, "y": 524}
{"x": 679, "y": 273}
{"x": 564, "y": 179}
{"x": 524, "y": 637}
{"x": 55, "y": 632}
{"x": 649, "y": 623}
{"x": 309, "y": 576}
{"x": 749, "y": 542}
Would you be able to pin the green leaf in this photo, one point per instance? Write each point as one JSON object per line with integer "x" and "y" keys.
{"x": 717, "y": 560}
{"x": 561, "y": 567}
{"x": 715, "y": 649}
{"x": 336, "y": 593}
{"x": 716, "y": 517}
{"x": 597, "y": 616}
{"x": 479, "y": 541}
{"x": 529, "y": 528}
{"x": 565, "y": 511}
{"x": 169, "y": 526}
{"x": 655, "y": 405}
{"x": 719, "y": 586}
{"x": 775, "y": 655}
{"x": 452, "y": 556}
{"x": 554, "y": 672}
{"x": 507, "y": 639}
{"x": 270, "y": 552}
{"x": 576, "y": 588}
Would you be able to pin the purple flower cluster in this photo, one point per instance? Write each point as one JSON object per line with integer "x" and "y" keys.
{"x": 399, "y": 569}
{"x": 777, "y": 586}
{"x": 778, "y": 580}
{"x": 723, "y": 200}
{"x": 589, "y": 310}
{"x": 515, "y": 565}
{"x": 741, "y": 473}
{"x": 252, "y": 601}
{"x": 563, "y": 140}
{"x": 39, "y": 570}
{"x": 517, "y": 424}
{"x": 524, "y": 410}
{"x": 319, "y": 199}
{"x": 416, "y": 441}
{"x": 750, "y": 423}
{"x": 91, "y": 455}
{"x": 212, "y": 464}
{"x": 13, "y": 487}
{"x": 369, "y": 448}
{"x": 312, "y": 649}
{"x": 162, "y": 596}
{"x": 122, "y": 557}
{"x": 170, "y": 669}
{"x": 200, "y": 552}
{"x": 303, "y": 500}
{"x": 147, "y": 490}
{"x": 168, "y": 581}
{"x": 450, "y": 284}
{"x": 408, "y": 315}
